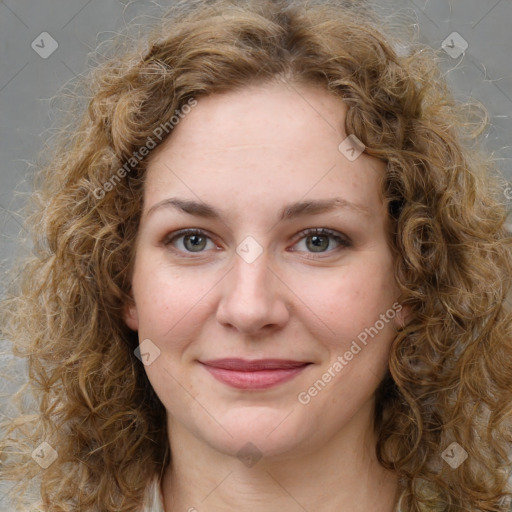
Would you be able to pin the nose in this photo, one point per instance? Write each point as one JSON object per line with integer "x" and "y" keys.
{"x": 253, "y": 298}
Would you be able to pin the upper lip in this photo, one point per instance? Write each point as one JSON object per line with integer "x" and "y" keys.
{"x": 244, "y": 365}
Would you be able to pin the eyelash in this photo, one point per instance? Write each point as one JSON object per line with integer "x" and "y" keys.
{"x": 343, "y": 241}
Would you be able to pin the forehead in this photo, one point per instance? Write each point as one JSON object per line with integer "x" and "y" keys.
{"x": 261, "y": 114}
{"x": 275, "y": 139}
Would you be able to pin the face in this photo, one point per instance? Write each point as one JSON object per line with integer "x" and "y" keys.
{"x": 263, "y": 286}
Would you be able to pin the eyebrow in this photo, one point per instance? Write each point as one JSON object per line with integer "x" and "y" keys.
{"x": 290, "y": 211}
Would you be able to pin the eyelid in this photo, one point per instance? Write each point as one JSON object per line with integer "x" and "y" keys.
{"x": 343, "y": 240}
{"x": 323, "y": 232}
{"x": 171, "y": 237}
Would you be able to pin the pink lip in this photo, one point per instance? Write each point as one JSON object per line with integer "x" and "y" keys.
{"x": 257, "y": 374}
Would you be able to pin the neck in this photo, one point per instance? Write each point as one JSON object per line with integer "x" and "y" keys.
{"x": 342, "y": 474}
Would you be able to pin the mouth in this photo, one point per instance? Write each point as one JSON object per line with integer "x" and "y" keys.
{"x": 256, "y": 374}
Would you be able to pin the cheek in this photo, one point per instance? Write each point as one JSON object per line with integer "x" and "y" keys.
{"x": 351, "y": 299}
{"x": 357, "y": 343}
{"x": 168, "y": 299}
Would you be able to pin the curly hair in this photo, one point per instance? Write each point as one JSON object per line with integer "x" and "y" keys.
{"x": 449, "y": 378}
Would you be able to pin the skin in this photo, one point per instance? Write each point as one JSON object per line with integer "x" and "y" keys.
{"x": 248, "y": 153}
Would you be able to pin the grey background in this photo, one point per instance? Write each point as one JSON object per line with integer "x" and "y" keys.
{"x": 28, "y": 81}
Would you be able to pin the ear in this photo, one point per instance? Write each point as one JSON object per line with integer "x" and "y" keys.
{"x": 131, "y": 316}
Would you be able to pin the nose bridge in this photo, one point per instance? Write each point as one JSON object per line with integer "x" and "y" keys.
{"x": 252, "y": 298}
{"x": 251, "y": 279}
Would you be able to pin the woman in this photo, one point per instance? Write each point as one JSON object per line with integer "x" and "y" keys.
{"x": 270, "y": 272}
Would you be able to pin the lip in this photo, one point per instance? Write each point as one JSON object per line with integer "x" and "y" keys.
{"x": 255, "y": 374}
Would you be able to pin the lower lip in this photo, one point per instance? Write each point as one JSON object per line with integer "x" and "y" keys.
{"x": 261, "y": 379}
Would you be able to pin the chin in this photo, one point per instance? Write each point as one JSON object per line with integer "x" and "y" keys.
{"x": 255, "y": 445}
{"x": 265, "y": 431}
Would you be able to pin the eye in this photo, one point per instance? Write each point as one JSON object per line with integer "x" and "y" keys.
{"x": 319, "y": 240}
{"x": 192, "y": 240}
{"x": 316, "y": 240}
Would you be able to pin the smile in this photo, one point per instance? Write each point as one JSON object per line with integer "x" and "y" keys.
{"x": 258, "y": 374}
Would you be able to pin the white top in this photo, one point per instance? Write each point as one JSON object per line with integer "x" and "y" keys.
{"x": 155, "y": 502}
